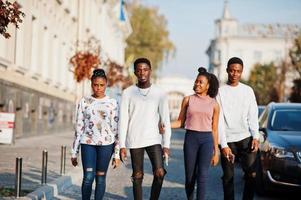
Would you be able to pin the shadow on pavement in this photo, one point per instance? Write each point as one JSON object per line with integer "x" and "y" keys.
{"x": 75, "y": 193}
{"x": 174, "y": 193}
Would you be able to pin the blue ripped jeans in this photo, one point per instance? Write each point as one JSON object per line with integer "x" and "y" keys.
{"x": 95, "y": 160}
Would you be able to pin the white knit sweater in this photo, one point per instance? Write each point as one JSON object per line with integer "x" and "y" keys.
{"x": 141, "y": 111}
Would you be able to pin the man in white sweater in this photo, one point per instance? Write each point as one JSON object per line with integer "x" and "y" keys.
{"x": 144, "y": 108}
{"x": 238, "y": 130}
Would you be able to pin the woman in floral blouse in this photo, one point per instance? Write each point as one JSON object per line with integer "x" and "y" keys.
{"x": 96, "y": 134}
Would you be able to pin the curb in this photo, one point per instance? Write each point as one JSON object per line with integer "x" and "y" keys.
{"x": 50, "y": 190}
{"x": 54, "y": 188}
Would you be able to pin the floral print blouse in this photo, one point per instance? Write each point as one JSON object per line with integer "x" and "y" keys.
{"x": 96, "y": 123}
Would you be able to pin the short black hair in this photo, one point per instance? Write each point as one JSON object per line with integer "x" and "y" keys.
{"x": 235, "y": 60}
{"x": 142, "y": 60}
{"x": 212, "y": 80}
{"x": 98, "y": 73}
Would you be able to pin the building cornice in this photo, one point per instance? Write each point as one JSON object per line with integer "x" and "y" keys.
{"x": 28, "y": 82}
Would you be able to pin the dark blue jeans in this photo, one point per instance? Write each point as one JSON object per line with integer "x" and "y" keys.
{"x": 95, "y": 160}
{"x": 198, "y": 152}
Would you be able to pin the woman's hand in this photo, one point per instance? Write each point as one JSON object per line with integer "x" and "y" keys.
{"x": 74, "y": 161}
{"x": 116, "y": 163}
{"x": 123, "y": 156}
{"x": 176, "y": 124}
{"x": 214, "y": 159}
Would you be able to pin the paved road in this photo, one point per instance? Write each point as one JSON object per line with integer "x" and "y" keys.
{"x": 119, "y": 185}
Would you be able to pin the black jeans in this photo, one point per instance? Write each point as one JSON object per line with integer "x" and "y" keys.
{"x": 247, "y": 159}
{"x": 155, "y": 155}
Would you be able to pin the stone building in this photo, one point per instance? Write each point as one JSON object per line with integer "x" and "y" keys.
{"x": 254, "y": 43}
{"x": 36, "y": 80}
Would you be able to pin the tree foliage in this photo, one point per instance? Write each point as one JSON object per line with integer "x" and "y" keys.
{"x": 295, "y": 54}
{"x": 115, "y": 74}
{"x": 150, "y": 37}
{"x": 9, "y": 13}
{"x": 263, "y": 79}
{"x": 296, "y": 92}
{"x": 85, "y": 59}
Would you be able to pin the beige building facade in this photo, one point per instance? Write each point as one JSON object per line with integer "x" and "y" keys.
{"x": 36, "y": 78}
{"x": 253, "y": 43}
{"x": 176, "y": 89}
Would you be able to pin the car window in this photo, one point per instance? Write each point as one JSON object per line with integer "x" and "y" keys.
{"x": 260, "y": 110}
{"x": 286, "y": 120}
{"x": 263, "y": 118}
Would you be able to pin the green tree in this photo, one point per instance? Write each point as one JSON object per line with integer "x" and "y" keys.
{"x": 150, "y": 37}
{"x": 296, "y": 91}
{"x": 263, "y": 79}
{"x": 295, "y": 55}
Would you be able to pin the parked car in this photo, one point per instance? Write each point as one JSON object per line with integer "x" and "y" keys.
{"x": 260, "y": 109}
{"x": 280, "y": 147}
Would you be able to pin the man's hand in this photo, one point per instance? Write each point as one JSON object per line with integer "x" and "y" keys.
{"x": 166, "y": 151}
{"x": 123, "y": 156}
{"x": 161, "y": 128}
{"x": 254, "y": 146}
{"x": 226, "y": 151}
{"x": 115, "y": 163}
{"x": 228, "y": 154}
{"x": 74, "y": 161}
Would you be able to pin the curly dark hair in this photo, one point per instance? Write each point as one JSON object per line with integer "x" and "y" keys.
{"x": 212, "y": 80}
{"x": 235, "y": 60}
{"x": 98, "y": 73}
{"x": 142, "y": 60}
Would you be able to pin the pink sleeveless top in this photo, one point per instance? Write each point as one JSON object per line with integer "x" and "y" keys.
{"x": 199, "y": 113}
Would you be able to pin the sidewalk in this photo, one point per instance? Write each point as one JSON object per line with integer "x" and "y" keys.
{"x": 30, "y": 149}
{"x": 119, "y": 184}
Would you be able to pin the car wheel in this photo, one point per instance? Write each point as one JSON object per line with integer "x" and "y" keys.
{"x": 260, "y": 187}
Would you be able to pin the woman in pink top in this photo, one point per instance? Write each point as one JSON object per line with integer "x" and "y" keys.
{"x": 199, "y": 114}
